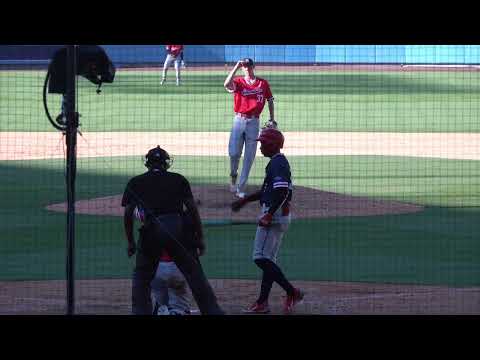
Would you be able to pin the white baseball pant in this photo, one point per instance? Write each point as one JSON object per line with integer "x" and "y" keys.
{"x": 168, "y": 61}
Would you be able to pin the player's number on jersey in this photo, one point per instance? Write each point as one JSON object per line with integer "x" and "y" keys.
{"x": 259, "y": 98}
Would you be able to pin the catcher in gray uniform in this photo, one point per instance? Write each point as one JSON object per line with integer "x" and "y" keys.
{"x": 169, "y": 288}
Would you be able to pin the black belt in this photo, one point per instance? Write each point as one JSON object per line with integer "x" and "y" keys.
{"x": 162, "y": 216}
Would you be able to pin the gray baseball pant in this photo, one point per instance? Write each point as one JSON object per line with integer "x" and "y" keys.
{"x": 168, "y": 234}
{"x": 268, "y": 239}
{"x": 169, "y": 288}
{"x": 244, "y": 133}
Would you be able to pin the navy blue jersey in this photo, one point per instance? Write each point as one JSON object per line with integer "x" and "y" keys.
{"x": 277, "y": 176}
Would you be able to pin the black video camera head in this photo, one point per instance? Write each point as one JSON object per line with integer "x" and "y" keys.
{"x": 92, "y": 63}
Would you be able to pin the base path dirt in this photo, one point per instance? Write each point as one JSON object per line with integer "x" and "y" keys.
{"x": 51, "y": 145}
{"x": 112, "y": 297}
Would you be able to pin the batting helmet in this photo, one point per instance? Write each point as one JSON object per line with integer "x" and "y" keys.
{"x": 272, "y": 141}
{"x": 157, "y": 157}
{"x": 272, "y": 136}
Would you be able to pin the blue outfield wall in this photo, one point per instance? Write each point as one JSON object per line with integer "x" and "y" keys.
{"x": 26, "y": 53}
{"x": 347, "y": 54}
{"x": 128, "y": 54}
{"x": 308, "y": 54}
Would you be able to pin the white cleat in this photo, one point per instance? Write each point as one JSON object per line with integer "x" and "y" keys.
{"x": 163, "y": 310}
{"x": 240, "y": 195}
{"x": 162, "y": 82}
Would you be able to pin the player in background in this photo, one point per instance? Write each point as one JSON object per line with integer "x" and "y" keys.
{"x": 173, "y": 55}
{"x": 182, "y": 61}
{"x": 250, "y": 93}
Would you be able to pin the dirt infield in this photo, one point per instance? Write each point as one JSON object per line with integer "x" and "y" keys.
{"x": 214, "y": 204}
{"x": 112, "y": 297}
{"x": 51, "y": 145}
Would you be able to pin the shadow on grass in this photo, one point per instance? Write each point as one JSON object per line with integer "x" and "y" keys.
{"x": 437, "y": 246}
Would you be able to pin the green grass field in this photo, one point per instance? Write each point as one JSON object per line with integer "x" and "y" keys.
{"x": 437, "y": 246}
{"x": 305, "y": 101}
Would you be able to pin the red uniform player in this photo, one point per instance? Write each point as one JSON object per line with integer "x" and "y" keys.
{"x": 250, "y": 94}
{"x": 174, "y": 53}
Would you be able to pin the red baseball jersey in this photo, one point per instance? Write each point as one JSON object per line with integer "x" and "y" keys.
{"x": 250, "y": 99}
{"x": 175, "y": 50}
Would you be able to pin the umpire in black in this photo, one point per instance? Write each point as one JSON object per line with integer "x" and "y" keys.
{"x": 162, "y": 195}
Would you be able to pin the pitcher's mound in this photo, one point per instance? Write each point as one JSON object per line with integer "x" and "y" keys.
{"x": 214, "y": 205}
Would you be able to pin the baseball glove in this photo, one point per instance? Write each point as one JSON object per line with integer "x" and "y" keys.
{"x": 270, "y": 124}
{"x": 237, "y": 205}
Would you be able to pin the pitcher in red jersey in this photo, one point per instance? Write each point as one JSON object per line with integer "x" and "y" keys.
{"x": 250, "y": 93}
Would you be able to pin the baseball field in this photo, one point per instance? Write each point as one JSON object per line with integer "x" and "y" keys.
{"x": 385, "y": 163}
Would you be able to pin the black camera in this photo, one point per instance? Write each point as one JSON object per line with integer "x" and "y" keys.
{"x": 92, "y": 63}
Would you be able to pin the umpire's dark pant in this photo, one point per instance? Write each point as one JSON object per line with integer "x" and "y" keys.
{"x": 167, "y": 232}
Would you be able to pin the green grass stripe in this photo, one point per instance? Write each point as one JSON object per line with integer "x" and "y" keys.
{"x": 316, "y": 101}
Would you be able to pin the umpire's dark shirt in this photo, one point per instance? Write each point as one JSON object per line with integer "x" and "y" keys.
{"x": 158, "y": 192}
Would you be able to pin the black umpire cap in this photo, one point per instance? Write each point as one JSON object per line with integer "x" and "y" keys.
{"x": 247, "y": 62}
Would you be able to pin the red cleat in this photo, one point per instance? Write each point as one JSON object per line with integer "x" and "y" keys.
{"x": 293, "y": 300}
{"x": 257, "y": 308}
